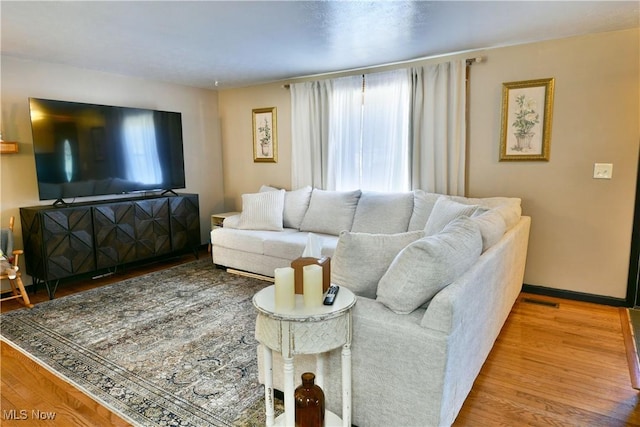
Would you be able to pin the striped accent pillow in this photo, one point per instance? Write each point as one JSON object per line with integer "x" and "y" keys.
{"x": 262, "y": 211}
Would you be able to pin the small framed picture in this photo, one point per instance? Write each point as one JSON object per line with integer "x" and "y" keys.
{"x": 265, "y": 135}
{"x": 527, "y": 110}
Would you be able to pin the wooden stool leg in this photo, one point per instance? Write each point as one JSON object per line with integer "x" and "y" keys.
{"x": 23, "y": 291}
{"x": 14, "y": 289}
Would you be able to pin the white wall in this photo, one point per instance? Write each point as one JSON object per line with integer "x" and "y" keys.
{"x": 22, "y": 79}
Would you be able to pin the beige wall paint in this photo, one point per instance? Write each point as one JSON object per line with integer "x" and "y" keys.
{"x": 581, "y": 227}
{"x": 241, "y": 173}
{"x": 23, "y": 79}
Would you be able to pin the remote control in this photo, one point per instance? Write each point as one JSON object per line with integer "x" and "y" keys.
{"x": 331, "y": 294}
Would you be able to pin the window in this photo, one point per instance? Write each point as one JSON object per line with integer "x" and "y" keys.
{"x": 368, "y": 141}
{"x": 392, "y": 131}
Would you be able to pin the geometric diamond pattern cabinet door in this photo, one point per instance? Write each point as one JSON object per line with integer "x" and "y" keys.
{"x": 68, "y": 242}
{"x": 114, "y": 230}
{"x": 32, "y": 242}
{"x": 35, "y": 260}
{"x": 87, "y": 237}
{"x": 185, "y": 223}
{"x": 153, "y": 233}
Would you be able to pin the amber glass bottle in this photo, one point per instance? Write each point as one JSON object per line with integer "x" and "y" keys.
{"x": 309, "y": 403}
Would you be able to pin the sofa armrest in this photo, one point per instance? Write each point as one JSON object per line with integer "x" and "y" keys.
{"x": 231, "y": 221}
{"x": 493, "y": 283}
{"x": 473, "y": 309}
{"x": 393, "y": 355}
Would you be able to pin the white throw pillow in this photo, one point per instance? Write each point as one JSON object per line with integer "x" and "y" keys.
{"x": 361, "y": 259}
{"x": 262, "y": 211}
{"x": 444, "y": 211}
{"x": 296, "y": 203}
{"x": 428, "y": 265}
{"x": 330, "y": 212}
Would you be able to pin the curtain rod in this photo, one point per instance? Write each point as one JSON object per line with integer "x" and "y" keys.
{"x": 469, "y": 61}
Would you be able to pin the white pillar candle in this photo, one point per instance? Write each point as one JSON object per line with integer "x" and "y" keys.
{"x": 312, "y": 285}
{"x": 285, "y": 289}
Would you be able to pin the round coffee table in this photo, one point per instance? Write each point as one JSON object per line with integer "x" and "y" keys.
{"x": 304, "y": 331}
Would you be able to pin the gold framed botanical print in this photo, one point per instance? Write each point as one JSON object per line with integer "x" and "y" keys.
{"x": 527, "y": 112}
{"x": 265, "y": 132}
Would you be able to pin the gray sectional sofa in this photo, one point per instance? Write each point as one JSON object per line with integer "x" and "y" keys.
{"x": 436, "y": 277}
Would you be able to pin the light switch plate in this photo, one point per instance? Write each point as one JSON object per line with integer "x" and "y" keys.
{"x": 603, "y": 170}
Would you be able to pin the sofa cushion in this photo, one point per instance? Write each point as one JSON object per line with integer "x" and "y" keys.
{"x": 250, "y": 241}
{"x": 361, "y": 259}
{"x": 422, "y": 206}
{"x": 509, "y": 207}
{"x": 330, "y": 212}
{"x": 491, "y": 224}
{"x": 292, "y": 245}
{"x": 296, "y": 203}
{"x": 262, "y": 211}
{"x": 429, "y": 264}
{"x": 444, "y": 211}
{"x": 386, "y": 213}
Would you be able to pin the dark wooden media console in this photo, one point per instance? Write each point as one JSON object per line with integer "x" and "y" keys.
{"x": 96, "y": 237}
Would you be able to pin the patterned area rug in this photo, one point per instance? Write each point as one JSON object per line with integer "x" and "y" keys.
{"x": 172, "y": 348}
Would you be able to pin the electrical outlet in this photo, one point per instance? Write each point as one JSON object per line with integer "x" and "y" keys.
{"x": 603, "y": 170}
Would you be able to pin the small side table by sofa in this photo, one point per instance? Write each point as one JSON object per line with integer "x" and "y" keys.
{"x": 304, "y": 331}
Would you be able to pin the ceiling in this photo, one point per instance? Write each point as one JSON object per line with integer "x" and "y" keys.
{"x": 227, "y": 44}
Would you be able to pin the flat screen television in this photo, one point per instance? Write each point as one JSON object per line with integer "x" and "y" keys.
{"x": 92, "y": 150}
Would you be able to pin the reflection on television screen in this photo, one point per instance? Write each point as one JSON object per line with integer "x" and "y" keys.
{"x": 89, "y": 150}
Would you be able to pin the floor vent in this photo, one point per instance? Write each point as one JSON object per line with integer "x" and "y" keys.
{"x": 540, "y": 302}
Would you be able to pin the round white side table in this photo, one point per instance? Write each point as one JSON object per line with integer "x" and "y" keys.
{"x": 304, "y": 331}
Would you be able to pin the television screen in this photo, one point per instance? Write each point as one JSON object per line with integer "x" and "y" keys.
{"x": 90, "y": 150}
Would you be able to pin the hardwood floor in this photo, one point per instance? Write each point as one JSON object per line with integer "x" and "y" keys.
{"x": 30, "y": 394}
{"x": 561, "y": 365}
{"x": 33, "y": 396}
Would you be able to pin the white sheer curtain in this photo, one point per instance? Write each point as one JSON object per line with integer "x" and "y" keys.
{"x": 439, "y": 128}
{"x": 345, "y": 139}
{"x": 385, "y": 132}
{"x": 406, "y": 130}
{"x": 369, "y": 132}
{"x": 345, "y": 134}
{"x": 309, "y": 133}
